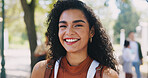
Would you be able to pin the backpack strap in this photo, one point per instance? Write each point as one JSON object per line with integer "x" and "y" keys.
{"x": 56, "y": 67}
{"x": 49, "y": 68}
{"x": 99, "y": 71}
{"x": 92, "y": 69}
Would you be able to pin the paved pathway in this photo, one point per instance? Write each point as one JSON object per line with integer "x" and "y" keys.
{"x": 18, "y": 64}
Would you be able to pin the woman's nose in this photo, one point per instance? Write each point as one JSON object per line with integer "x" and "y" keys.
{"x": 69, "y": 31}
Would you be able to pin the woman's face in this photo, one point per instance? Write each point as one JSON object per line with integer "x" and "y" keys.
{"x": 73, "y": 30}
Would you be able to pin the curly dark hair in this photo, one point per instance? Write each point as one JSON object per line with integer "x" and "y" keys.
{"x": 100, "y": 49}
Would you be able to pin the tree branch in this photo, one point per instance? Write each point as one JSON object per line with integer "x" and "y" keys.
{"x": 24, "y": 5}
{"x": 32, "y": 3}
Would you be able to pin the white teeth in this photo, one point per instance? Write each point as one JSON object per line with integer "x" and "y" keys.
{"x": 71, "y": 40}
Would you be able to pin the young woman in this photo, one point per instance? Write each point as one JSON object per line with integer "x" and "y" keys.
{"x": 79, "y": 45}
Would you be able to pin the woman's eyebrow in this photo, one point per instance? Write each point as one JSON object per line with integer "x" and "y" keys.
{"x": 78, "y": 21}
{"x": 62, "y": 22}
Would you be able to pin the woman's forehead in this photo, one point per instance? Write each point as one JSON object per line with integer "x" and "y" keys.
{"x": 73, "y": 14}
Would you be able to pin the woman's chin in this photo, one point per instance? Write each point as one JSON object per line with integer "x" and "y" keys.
{"x": 70, "y": 51}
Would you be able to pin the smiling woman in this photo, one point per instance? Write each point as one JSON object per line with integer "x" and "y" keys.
{"x": 79, "y": 45}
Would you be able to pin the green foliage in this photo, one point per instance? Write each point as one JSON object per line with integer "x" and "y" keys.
{"x": 127, "y": 19}
{"x": 28, "y": 1}
{"x": 14, "y": 20}
{"x": 43, "y": 8}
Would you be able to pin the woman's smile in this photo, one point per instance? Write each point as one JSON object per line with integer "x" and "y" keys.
{"x": 70, "y": 41}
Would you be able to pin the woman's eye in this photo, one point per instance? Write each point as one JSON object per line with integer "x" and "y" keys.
{"x": 78, "y": 25}
{"x": 62, "y": 26}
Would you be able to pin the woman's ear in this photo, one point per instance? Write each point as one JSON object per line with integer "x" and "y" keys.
{"x": 92, "y": 32}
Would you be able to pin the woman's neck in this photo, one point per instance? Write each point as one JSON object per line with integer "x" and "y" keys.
{"x": 76, "y": 58}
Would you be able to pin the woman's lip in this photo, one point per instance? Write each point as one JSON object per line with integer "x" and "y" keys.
{"x": 70, "y": 43}
{"x": 70, "y": 38}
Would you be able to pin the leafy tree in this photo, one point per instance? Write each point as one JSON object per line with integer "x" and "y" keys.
{"x": 29, "y": 13}
{"x": 127, "y": 19}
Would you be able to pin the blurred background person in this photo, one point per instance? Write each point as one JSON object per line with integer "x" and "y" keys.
{"x": 127, "y": 65}
{"x": 136, "y": 53}
{"x": 41, "y": 50}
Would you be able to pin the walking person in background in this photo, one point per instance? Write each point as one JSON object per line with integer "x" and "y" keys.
{"x": 127, "y": 65}
{"x": 79, "y": 44}
{"x": 136, "y": 53}
{"x": 41, "y": 50}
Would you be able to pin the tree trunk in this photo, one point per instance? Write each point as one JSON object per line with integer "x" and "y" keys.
{"x": 30, "y": 26}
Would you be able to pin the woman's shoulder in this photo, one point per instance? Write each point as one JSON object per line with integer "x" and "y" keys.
{"x": 39, "y": 69}
{"x": 110, "y": 73}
